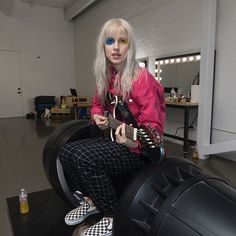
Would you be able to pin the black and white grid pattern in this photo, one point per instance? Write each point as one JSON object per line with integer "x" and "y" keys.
{"x": 90, "y": 164}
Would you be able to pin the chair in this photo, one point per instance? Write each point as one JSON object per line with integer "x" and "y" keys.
{"x": 73, "y": 92}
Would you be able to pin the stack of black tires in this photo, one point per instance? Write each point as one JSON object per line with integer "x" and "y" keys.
{"x": 174, "y": 198}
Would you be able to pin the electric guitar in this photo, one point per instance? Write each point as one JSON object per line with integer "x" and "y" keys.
{"x": 149, "y": 138}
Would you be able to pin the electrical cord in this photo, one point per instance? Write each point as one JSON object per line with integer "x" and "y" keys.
{"x": 189, "y": 127}
{"x": 191, "y": 124}
{"x": 176, "y": 131}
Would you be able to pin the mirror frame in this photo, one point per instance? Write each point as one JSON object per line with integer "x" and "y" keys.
{"x": 181, "y": 58}
{"x": 143, "y": 62}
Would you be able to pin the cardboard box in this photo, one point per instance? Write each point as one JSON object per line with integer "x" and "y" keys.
{"x": 60, "y": 110}
{"x": 61, "y": 113}
{"x": 69, "y": 101}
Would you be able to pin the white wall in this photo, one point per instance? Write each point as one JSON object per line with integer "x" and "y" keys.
{"x": 224, "y": 106}
{"x": 40, "y": 32}
{"x": 162, "y": 27}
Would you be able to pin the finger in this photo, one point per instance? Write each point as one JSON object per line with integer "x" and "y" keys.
{"x": 118, "y": 130}
{"x": 123, "y": 130}
{"x": 105, "y": 121}
{"x": 100, "y": 120}
{"x": 102, "y": 117}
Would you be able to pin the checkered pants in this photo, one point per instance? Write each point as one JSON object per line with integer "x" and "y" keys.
{"x": 90, "y": 165}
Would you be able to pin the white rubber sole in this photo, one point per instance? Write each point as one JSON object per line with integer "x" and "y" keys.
{"x": 83, "y": 218}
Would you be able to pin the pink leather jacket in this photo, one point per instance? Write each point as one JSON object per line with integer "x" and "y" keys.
{"x": 146, "y": 102}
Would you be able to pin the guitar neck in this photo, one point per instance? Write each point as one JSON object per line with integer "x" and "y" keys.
{"x": 130, "y": 132}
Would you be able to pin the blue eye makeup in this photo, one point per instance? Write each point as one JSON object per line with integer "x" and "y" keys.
{"x": 109, "y": 41}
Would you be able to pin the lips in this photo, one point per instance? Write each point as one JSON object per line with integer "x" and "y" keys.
{"x": 116, "y": 54}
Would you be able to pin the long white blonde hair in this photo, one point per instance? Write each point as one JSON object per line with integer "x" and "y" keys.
{"x": 125, "y": 77}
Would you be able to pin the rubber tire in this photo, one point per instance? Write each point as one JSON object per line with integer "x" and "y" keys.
{"x": 69, "y": 131}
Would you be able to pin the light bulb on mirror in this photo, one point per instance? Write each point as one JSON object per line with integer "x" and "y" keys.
{"x": 142, "y": 64}
{"x": 178, "y": 60}
{"x": 198, "y": 57}
{"x": 191, "y": 58}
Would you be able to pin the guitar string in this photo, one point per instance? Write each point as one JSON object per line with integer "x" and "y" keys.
{"x": 129, "y": 129}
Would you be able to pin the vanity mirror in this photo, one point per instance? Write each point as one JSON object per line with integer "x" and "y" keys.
{"x": 179, "y": 71}
{"x": 143, "y": 62}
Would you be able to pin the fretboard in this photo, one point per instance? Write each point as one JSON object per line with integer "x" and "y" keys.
{"x": 129, "y": 131}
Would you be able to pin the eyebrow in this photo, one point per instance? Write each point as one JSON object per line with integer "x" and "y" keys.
{"x": 112, "y": 37}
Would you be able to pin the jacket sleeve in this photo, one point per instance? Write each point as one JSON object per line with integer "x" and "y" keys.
{"x": 149, "y": 96}
{"x": 97, "y": 107}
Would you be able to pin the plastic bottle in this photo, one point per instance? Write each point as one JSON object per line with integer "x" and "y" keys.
{"x": 23, "y": 199}
{"x": 195, "y": 153}
{"x": 173, "y": 93}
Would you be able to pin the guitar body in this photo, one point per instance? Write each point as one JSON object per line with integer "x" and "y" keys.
{"x": 155, "y": 155}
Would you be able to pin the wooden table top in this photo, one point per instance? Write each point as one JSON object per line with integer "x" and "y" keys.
{"x": 83, "y": 104}
{"x": 183, "y": 103}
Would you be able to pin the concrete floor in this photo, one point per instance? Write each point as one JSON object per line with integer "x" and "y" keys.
{"x": 21, "y": 146}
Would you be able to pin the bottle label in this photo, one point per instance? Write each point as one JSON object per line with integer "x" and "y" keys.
{"x": 23, "y": 198}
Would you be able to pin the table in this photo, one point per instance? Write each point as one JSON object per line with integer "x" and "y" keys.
{"x": 46, "y": 215}
{"x": 186, "y": 106}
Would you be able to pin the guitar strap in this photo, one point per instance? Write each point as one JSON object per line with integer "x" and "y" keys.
{"x": 122, "y": 110}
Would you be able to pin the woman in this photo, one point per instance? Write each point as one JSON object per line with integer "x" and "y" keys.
{"x": 93, "y": 162}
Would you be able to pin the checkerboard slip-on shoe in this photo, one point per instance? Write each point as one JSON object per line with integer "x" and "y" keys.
{"x": 102, "y": 228}
{"x": 80, "y": 213}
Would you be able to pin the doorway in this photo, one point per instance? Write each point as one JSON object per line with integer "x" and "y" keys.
{"x": 10, "y": 84}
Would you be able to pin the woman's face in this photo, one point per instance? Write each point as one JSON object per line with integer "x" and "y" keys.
{"x": 116, "y": 48}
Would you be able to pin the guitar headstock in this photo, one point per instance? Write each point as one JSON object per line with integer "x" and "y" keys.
{"x": 149, "y": 136}
{"x": 152, "y": 143}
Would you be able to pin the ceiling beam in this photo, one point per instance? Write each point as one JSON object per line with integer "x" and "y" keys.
{"x": 78, "y": 7}
{"x": 7, "y": 7}
{"x": 31, "y": 2}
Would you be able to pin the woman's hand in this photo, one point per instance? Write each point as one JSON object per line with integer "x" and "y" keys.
{"x": 122, "y": 139}
{"x": 101, "y": 121}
